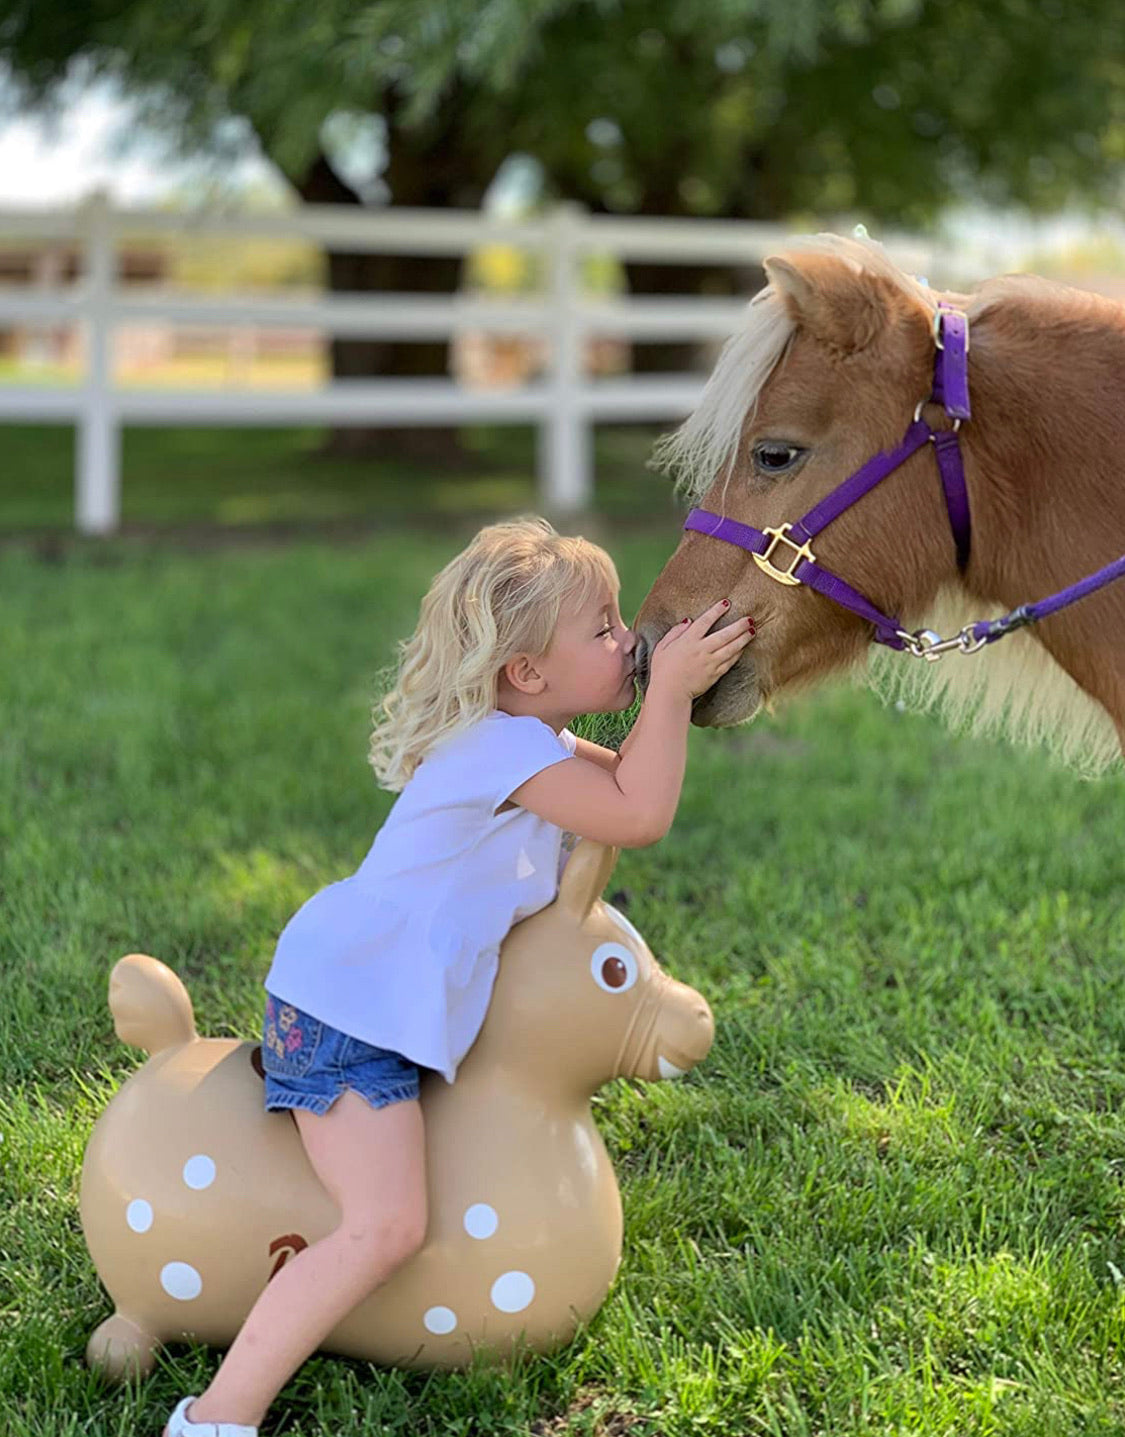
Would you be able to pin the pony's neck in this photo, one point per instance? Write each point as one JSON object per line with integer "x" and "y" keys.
{"x": 1045, "y": 469}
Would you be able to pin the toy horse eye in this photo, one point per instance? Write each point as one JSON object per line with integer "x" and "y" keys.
{"x": 772, "y": 457}
{"x": 614, "y": 968}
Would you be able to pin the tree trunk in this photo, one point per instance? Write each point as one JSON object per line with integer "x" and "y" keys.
{"x": 437, "y": 167}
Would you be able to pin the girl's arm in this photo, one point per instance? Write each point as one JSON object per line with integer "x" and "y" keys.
{"x": 606, "y": 758}
{"x": 634, "y": 804}
{"x": 625, "y": 742}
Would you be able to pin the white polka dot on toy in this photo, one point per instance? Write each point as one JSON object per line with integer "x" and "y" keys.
{"x": 199, "y": 1172}
{"x": 512, "y": 1292}
{"x": 181, "y": 1281}
{"x": 440, "y": 1320}
{"x": 139, "y": 1215}
{"x": 481, "y": 1220}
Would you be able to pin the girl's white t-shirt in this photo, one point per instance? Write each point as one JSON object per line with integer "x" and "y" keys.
{"x": 403, "y": 954}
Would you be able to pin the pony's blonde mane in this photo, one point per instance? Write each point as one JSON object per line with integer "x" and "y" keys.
{"x": 706, "y": 444}
{"x": 1013, "y": 689}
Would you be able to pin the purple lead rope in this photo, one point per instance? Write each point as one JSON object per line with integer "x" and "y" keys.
{"x": 987, "y": 631}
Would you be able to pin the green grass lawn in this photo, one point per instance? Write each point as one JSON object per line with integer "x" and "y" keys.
{"x": 891, "y": 1201}
{"x": 240, "y": 480}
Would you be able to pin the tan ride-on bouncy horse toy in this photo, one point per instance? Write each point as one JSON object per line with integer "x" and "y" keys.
{"x": 193, "y": 1195}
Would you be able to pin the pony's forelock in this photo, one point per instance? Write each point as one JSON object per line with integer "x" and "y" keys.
{"x": 705, "y": 446}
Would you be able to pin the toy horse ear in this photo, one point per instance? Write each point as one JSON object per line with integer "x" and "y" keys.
{"x": 585, "y": 876}
{"x": 831, "y": 296}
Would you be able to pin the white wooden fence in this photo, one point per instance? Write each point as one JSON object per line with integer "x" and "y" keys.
{"x": 564, "y": 404}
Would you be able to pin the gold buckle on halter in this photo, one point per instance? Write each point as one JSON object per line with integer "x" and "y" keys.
{"x": 800, "y": 551}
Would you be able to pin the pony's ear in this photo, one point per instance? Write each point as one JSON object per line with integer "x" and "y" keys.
{"x": 585, "y": 876}
{"x": 831, "y": 296}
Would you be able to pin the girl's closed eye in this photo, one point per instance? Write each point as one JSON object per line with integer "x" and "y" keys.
{"x": 613, "y": 622}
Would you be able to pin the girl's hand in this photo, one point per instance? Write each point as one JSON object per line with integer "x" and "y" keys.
{"x": 689, "y": 659}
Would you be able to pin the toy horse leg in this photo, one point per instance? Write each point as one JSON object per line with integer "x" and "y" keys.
{"x": 119, "y": 1348}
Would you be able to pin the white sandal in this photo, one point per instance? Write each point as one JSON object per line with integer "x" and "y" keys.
{"x": 179, "y": 1426}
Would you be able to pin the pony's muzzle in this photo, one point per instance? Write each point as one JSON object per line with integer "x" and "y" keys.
{"x": 648, "y": 637}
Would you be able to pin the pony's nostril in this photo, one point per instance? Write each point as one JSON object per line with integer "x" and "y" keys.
{"x": 640, "y": 661}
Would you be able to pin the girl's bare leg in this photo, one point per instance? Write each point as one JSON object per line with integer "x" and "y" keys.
{"x": 372, "y": 1162}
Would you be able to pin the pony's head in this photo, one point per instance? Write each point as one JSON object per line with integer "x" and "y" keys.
{"x": 836, "y": 353}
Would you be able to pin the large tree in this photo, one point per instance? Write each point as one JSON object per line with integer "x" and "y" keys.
{"x": 770, "y": 109}
{"x": 757, "y": 108}
{"x": 197, "y": 69}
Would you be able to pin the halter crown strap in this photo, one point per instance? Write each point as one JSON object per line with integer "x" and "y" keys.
{"x": 951, "y": 390}
{"x": 951, "y": 364}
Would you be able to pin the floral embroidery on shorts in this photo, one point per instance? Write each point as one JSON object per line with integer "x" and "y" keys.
{"x": 287, "y": 1038}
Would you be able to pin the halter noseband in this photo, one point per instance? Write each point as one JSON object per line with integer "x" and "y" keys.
{"x": 799, "y": 565}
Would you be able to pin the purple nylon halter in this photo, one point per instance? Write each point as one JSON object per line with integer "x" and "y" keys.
{"x": 951, "y": 391}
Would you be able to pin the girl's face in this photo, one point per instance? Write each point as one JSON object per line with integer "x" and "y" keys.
{"x": 589, "y": 665}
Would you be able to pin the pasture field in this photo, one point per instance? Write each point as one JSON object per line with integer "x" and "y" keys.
{"x": 241, "y": 482}
{"x": 891, "y": 1201}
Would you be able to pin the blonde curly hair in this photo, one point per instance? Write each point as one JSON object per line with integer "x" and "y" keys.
{"x": 501, "y": 596}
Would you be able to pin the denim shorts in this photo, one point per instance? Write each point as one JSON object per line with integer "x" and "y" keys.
{"x": 308, "y": 1064}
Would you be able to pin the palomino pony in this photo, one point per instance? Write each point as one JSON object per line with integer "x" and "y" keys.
{"x": 847, "y": 364}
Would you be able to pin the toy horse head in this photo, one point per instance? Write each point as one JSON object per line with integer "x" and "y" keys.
{"x": 580, "y": 999}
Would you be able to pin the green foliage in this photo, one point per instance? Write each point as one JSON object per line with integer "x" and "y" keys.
{"x": 889, "y": 1202}
{"x": 753, "y": 107}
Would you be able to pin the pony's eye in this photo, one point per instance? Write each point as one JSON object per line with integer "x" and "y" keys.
{"x": 613, "y": 967}
{"x": 772, "y": 457}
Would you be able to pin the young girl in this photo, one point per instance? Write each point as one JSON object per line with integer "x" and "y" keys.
{"x": 391, "y": 970}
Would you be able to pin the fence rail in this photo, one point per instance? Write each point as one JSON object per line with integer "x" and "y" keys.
{"x": 564, "y": 404}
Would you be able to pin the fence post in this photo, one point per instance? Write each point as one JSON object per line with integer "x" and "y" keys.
{"x": 98, "y": 436}
{"x": 565, "y": 436}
